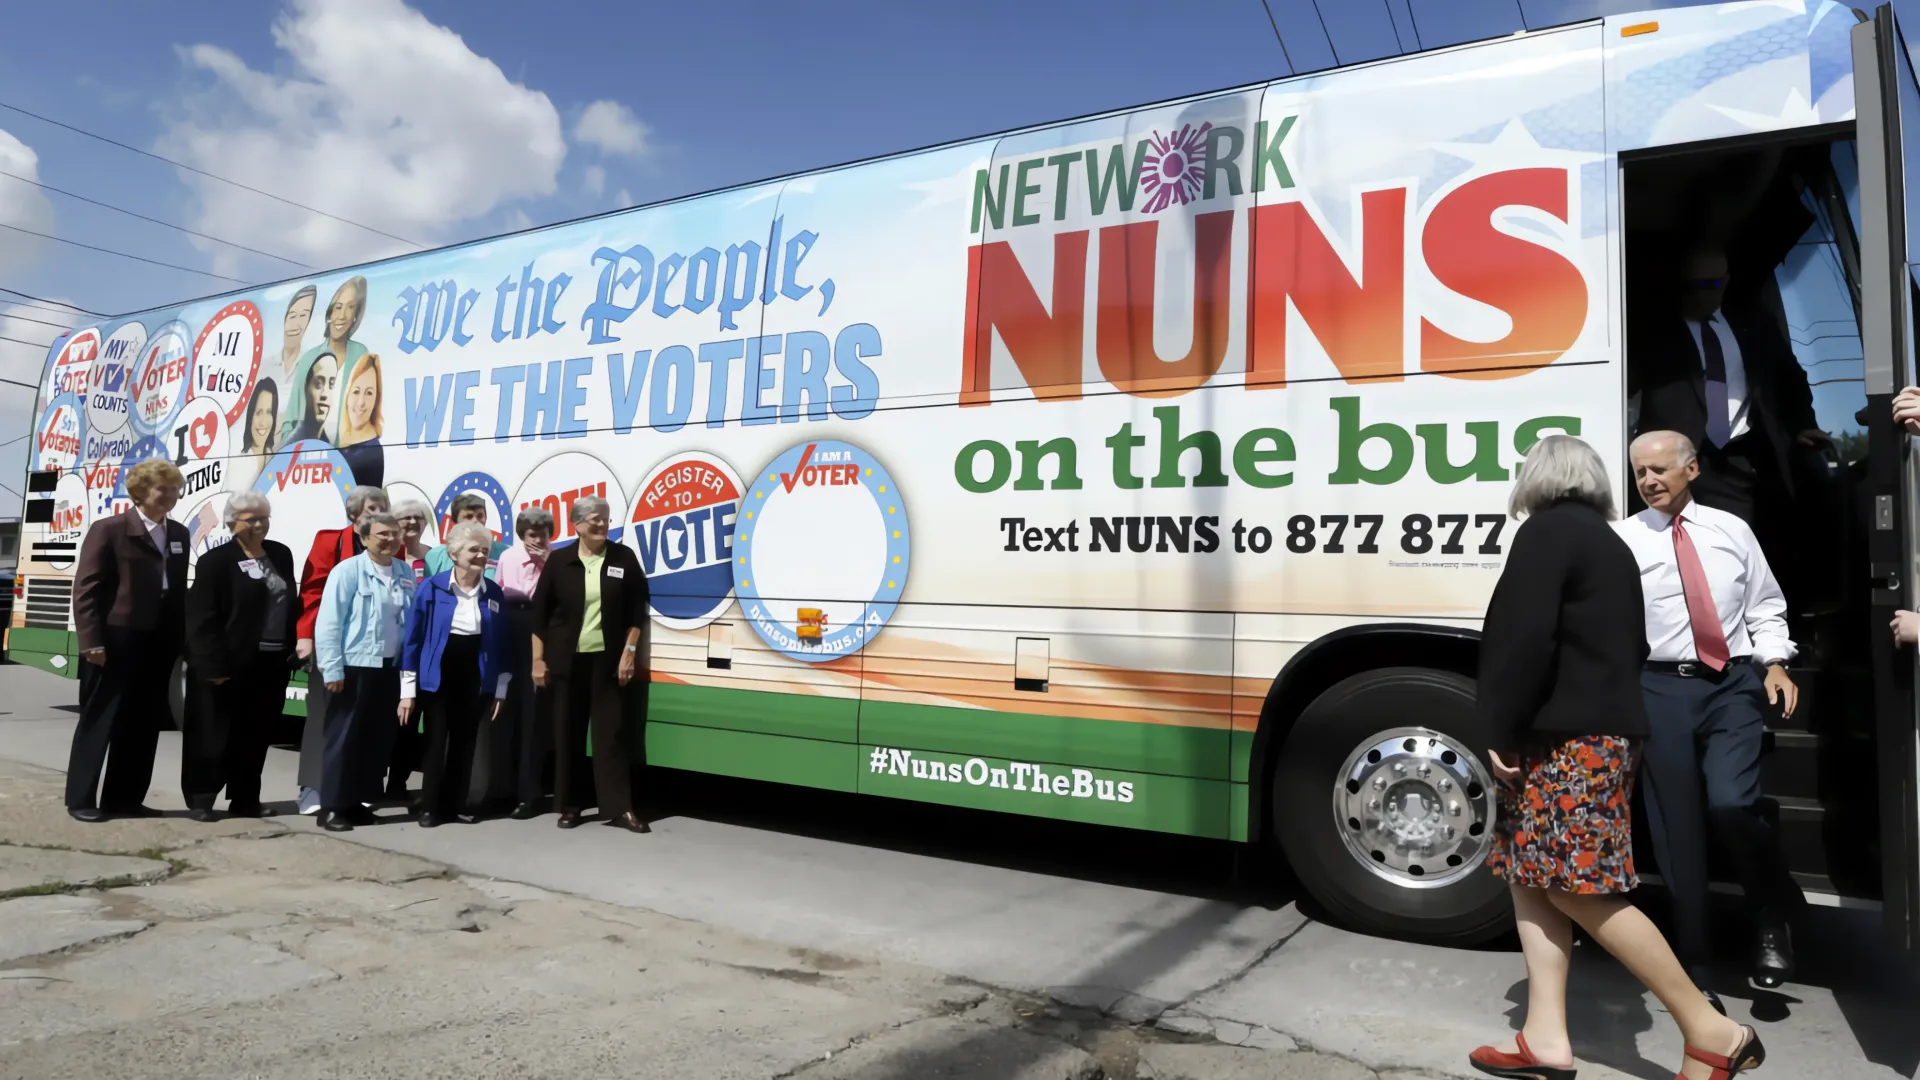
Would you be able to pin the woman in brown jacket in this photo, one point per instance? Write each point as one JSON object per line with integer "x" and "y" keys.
{"x": 588, "y": 613}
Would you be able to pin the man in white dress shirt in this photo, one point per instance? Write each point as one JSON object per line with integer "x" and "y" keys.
{"x": 1716, "y": 621}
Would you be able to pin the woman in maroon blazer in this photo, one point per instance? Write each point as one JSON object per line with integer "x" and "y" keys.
{"x": 129, "y": 613}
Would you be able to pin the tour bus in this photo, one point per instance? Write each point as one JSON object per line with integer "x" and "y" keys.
{"x": 1147, "y": 469}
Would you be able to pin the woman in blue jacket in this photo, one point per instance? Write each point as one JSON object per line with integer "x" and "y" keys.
{"x": 455, "y": 665}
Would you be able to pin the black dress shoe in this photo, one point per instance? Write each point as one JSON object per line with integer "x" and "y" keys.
{"x": 135, "y": 812}
{"x": 569, "y": 819}
{"x": 255, "y": 811}
{"x": 87, "y": 814}
{"x": 360, "y": 815}
{"x": 335, "y": 821}
{"x": 429, "y": 820}
{"x": 1773, "y": 954}
{"x": 630, "y": 822}
{"x": 203, "y": 814}
{"x": 528, "y": 809}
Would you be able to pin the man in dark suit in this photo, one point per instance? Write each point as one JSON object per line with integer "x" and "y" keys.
{"x": 129, "y": 613}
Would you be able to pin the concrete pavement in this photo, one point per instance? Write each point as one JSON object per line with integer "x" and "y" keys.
{"x": 1140, "y": 928}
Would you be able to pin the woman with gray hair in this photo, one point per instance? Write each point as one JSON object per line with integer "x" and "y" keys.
{"x": 242, "y": 620}
{"x": 1561, "y": 652}
{"x": 331, "y": 547}
{"x": 588, "y": 612}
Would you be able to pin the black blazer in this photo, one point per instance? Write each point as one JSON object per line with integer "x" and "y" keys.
{"x": 118, "y": 581}
{"x": 560, "y": 601}
{"x": 1566, "y": 634}
{"x": 227, "y": 610}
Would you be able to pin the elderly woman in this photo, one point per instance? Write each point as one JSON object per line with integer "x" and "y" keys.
{"x": 1559, "y": 692}
{"x": 331, "y": 547}
{"x": 413, "y": 515}
{"x": 243, "y": 616}
{"x": 526, "y": 739}
{"x": 588, "y": 612}
{"x": 356, "y": 641}
{"x": 467, "y": 506}
{"x": 129, "y": 610}
{"x": 455, "y": 662}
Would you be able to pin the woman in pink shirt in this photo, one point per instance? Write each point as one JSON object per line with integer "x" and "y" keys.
{"x": 523, "y": 734}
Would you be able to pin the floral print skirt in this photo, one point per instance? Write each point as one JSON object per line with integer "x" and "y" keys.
{"x": 1566, "y": 822}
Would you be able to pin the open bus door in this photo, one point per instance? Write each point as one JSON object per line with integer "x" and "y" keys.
{"x": 1887, "y": 110}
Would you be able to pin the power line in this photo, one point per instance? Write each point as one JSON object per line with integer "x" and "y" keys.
{"x": 1323, "y": 30}
{"x": 1415, "y": 20}
{"x": 1276, "y": 36}
{"x": 17, "y": 382}
{"x": 1522, "y": 9}
{"x": 205, "y": 173}
{"x": 1398, "y": 43}
{"x": 64, "y": 326}
{"x": 124, "y": 255}
{"x": 155, "y": 220}
{"x": 43, "y": 300}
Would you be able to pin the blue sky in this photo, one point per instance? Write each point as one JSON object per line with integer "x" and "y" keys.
{"x": 443, "y": 120}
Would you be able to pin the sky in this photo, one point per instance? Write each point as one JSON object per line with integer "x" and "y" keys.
{"x": 435, "y": 121}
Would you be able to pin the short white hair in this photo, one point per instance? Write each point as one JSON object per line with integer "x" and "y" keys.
{"x": 468, "y": 531}
{"x": 241, "y": 502}
{"x": 1683, "y": 448}
{"x": 585, "y": 508}
{"x": 1561, "y": 467}
{"x": 360, "y": 496}
{"x": 413, "y": 508}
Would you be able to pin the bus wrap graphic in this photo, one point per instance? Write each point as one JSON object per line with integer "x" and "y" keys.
{"x": 499, "y": 510}
{"x": 682, "y": 527}
{"x": 162, "y": 380}
{"x": 107, "y": 383}
{"x": 821, "y": 551}
{"x": 58, "y": 436}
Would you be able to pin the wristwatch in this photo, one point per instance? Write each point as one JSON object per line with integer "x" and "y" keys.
{"x": 633, "y": 648}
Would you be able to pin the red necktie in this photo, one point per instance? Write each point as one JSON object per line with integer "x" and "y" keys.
{"x": 1709, "y": 641}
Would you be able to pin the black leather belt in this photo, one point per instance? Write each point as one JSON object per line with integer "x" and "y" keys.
{"x": 1694, "y": 669}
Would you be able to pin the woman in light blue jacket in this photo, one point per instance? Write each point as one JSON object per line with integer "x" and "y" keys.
{"x": 456, "y": 662}
{"x": 356, "y": 644}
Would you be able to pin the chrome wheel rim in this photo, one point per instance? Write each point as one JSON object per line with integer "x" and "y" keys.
{"x": 1415, "y": 807}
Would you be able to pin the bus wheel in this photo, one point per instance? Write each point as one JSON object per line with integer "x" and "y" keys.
{"x": 1384, "y": 803}
{"x": 177, "y": 694}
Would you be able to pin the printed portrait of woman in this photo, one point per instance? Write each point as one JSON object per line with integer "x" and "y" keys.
{"x": 294, "y": 328}
{"x": 316, "y": 419}
{"x": 344, "y": 312}
{"x": 259, "y": 436}
{"x": 359, "y": 440}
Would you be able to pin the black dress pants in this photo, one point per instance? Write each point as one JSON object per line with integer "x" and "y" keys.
{"x": 122, "y": 705}
{"x": 224, "y": 744}
{"x": 1701, "y": 771}
{"x": 454, "y": 715}
{"x": 361, "y": 721}
{"x": 590, "y": 693}
{"x": 529, "y": 712}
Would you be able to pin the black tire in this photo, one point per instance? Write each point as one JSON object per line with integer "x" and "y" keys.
{"x": 1470, "y": 911}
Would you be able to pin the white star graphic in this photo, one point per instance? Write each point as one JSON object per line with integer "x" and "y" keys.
{"x": 1515, "y": 147}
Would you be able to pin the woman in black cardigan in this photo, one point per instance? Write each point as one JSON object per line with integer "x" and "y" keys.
{"x": 1560, "y": 657}
{"x": 243, "y": 615}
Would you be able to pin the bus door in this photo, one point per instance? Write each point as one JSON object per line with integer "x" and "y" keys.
{"x": 1887, "y": 109}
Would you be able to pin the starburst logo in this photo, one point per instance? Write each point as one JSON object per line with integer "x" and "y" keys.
{"x": 1174, "y": 167}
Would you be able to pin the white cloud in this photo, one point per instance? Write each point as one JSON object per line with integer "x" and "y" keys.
{"x": 375, "y": 114}
{"x": 596, "y": 180}
{"x": 27, "y": 207}
{"x": 612, "y": 128}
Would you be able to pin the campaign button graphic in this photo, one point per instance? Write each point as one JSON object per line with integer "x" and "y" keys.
{"x": 103, "y": 482}
{"x": 564, "y": 479}
{"x": 68, "y": 375}
{"x": 499, "y": 513}
{"x": 307, "y": 483}
{"x": 682, "y": 524}
{"x": 145, "y": 449}
{"x": 162, "y": 380}
{"x": 57, "y": 438}
{"x": 69, "y": 524}
{"x": 821, "y": 551}
{"x": 226, "y": 357}
{"x": 108, "y": 381}
{"x": 200, "y": 445}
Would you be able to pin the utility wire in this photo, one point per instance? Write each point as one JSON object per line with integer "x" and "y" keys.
{"x": 155, "y": 220}
{"x": 69, "y": 326}
{"x": 17, "y": 382}
{"x": 1398, "y": 42}
{"x": 44, "y": 300}
{"x": 1323, "y": 30}
{"x": 1276, "y": 36}
{"x": 1522, "y": 9}
{"x": 203, "y": 172}
{"x": 1415, "y": 20}
{"x": 124, "y": 255}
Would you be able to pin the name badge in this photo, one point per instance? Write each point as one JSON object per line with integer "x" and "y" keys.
{"x": 252, "y": 568}
{"x": 493, "y": 606}
{"x": 612, "y": 571}
{"x": 177, "y": 549}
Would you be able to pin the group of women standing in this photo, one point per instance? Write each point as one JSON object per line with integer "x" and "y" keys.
{"x": 465, "y": 660}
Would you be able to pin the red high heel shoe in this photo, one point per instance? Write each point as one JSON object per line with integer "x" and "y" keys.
{"x": 1751, "y": 1055}
{"x": 1520, "y": 1066}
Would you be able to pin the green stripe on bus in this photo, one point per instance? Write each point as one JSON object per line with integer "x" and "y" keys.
{"x": 805, "y": 716}
{"x": 1165, "y": 749}
{"x": 776, "y": 758}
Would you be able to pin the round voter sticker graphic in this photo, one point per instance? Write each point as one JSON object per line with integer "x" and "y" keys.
{"x": 108, "y": 380}
{"x": 499, "y": 514}
{"x": 682, "y": 525}
{"x": 226, "y": 357}
{"x": 400, "y": 491}
{"x": 57, "y": 438}
{"x": 103, "y": 480}
{"x": 162, "y": 380}
{"x": 821, "y": 551}
{"x": 564, "y": 479}
{"x": 307, "y": 483}
{"x": 145, "y": 449}
{"x": 200, "y": 445}
{"x": 68, "y": 375}
{"x": 69, "y": 524}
